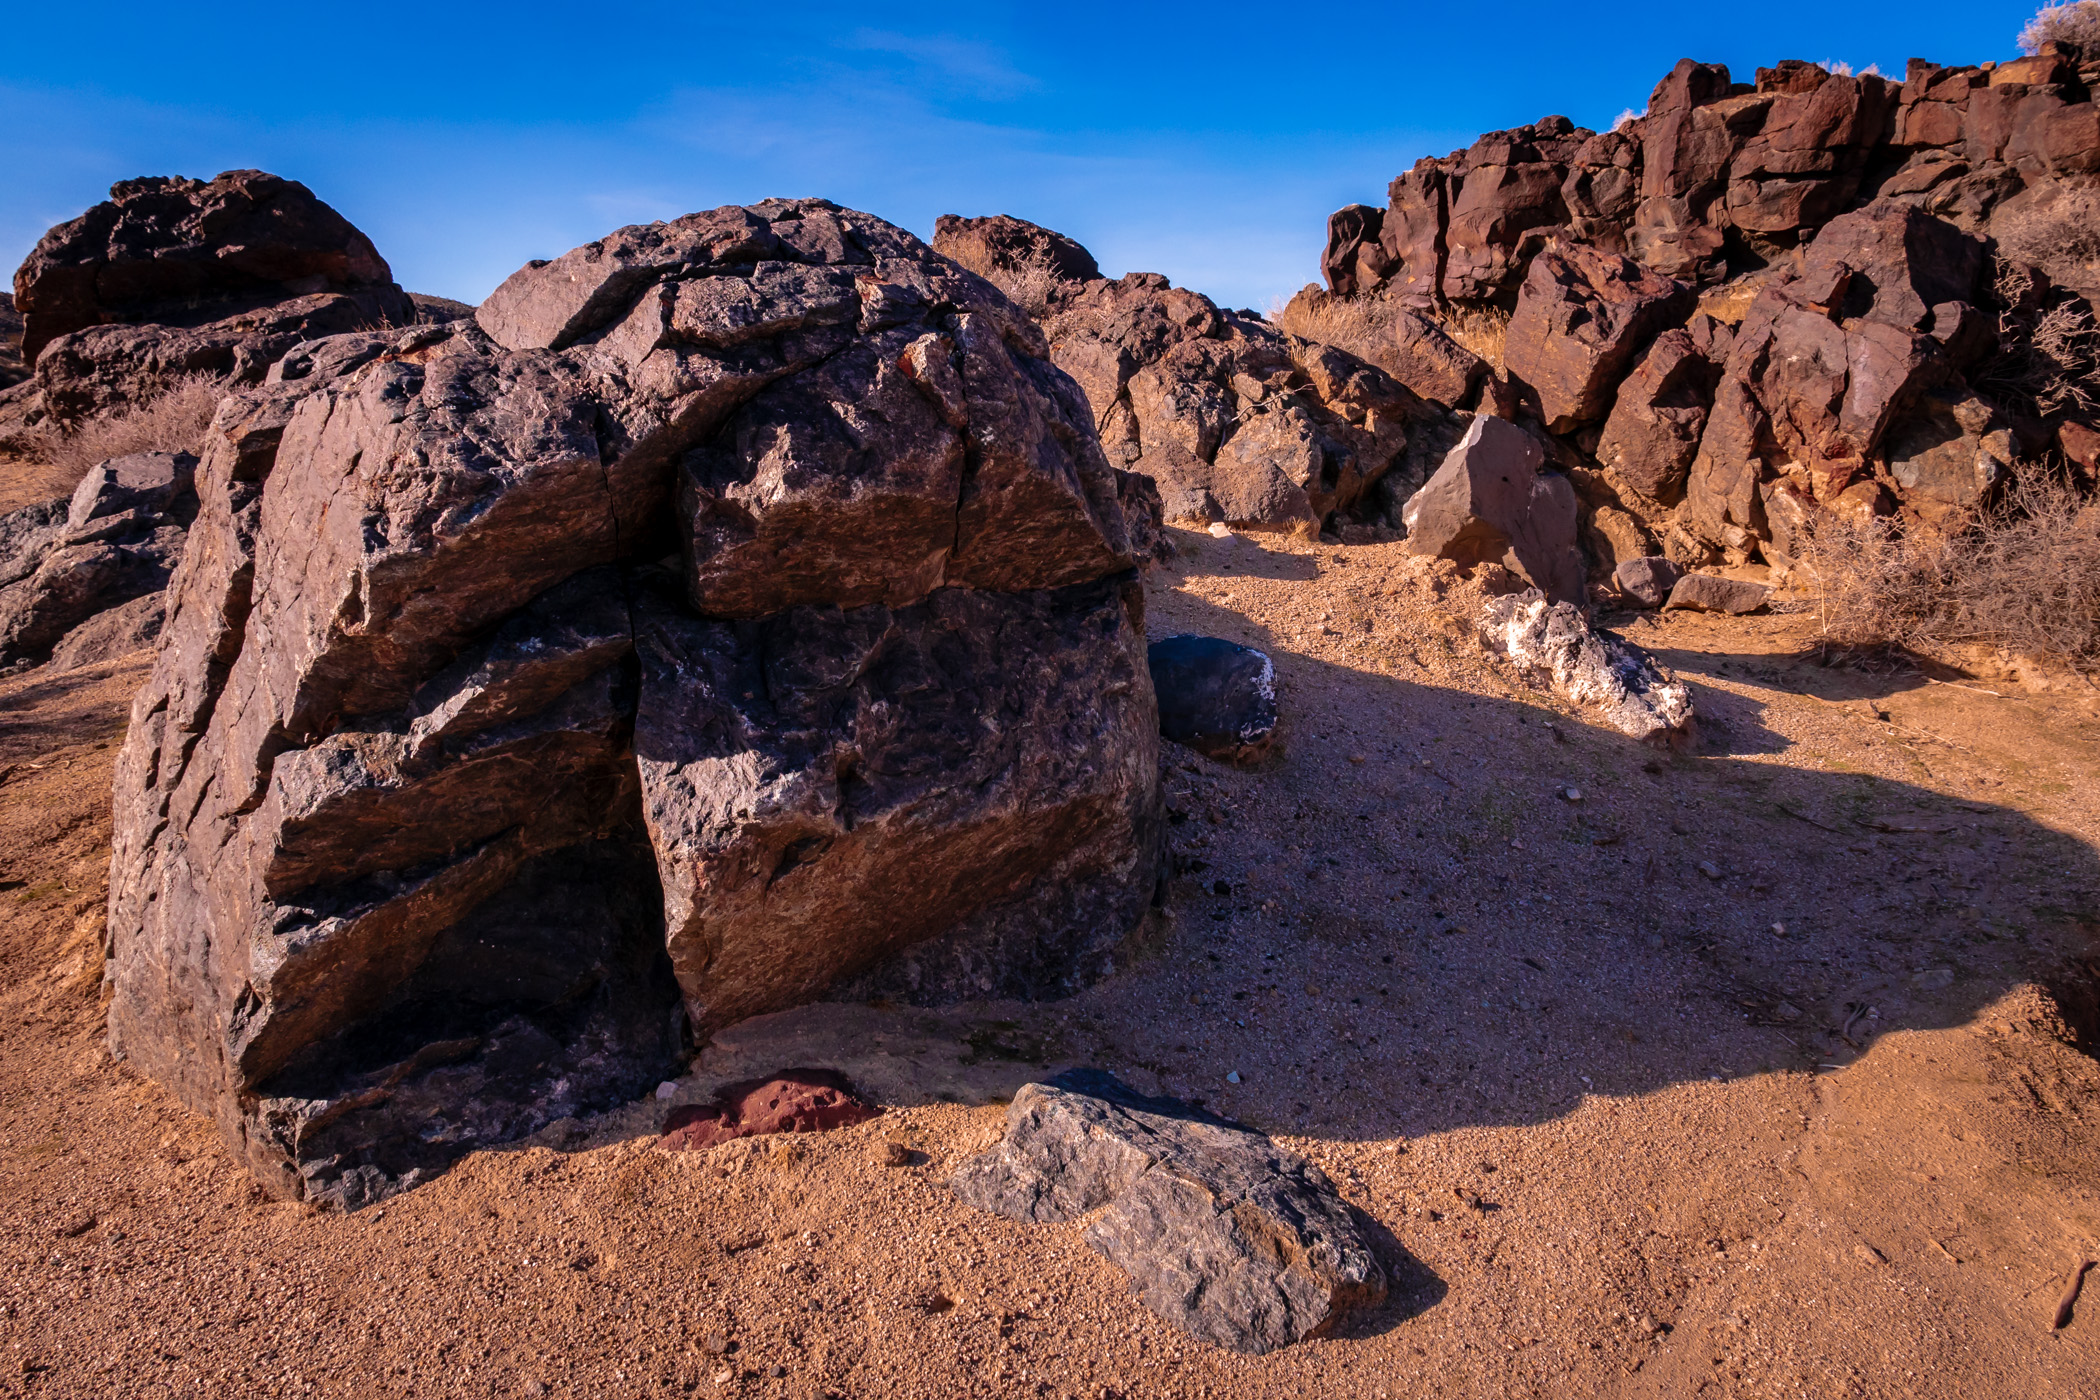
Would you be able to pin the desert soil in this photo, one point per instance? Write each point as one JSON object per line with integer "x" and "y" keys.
{"x": 1747, "y": 1070}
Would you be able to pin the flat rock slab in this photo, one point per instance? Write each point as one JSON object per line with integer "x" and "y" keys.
{"x": 1223, "y": 1233}
{"x": 1712, "y": 593}
{"x": 1215, "y": 696}
{"x": 792, "y": 1101}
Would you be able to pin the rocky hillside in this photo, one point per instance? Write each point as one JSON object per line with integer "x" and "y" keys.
{"x": 1756, "y": 301}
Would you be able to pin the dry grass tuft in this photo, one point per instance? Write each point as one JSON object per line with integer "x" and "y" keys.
{"x": 2075, "y": 23}
{"x": 1483, "y": 329}
{"x": 172, "y": 422}
{"x": 2022, "y": 574}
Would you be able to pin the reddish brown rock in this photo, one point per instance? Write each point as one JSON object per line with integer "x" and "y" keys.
{"x": 1380, "y": 329}
{"x": 398, "y": 825}
{"x": 1354, "y": 259}
{"x": 1659, "y": 416}
{"x": 793, "y": 1101}
{"x": 1490, "y": 503}
{"x": 1581, "y": 318}
{"x": 1014, "y": 255}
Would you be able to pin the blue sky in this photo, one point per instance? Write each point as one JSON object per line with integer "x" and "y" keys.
{"x": 1206, "y": 142}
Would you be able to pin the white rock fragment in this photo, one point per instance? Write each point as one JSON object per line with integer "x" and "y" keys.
{"x": 1631, "y": 691}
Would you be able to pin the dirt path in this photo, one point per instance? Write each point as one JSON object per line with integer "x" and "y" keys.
{"x": 1755, "y": 1058}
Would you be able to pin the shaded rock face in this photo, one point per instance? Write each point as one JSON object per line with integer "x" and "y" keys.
{"x": 171, "y": 277}
{"x": 538, "y": 688}
{"x": 1230, "y": 419}
{"x": 1215, "y": 696}
{"x": 1223, "y": 1233}
{"x": 118, "y": 539}
{"x": 13, "y": 369}
{"x": 1843, "y": 229}
{"x": 1490, "y": 503}
{"x": 1622, "y": 684}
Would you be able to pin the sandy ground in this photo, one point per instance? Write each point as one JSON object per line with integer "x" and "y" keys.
{"x": 1749, "y": 1070}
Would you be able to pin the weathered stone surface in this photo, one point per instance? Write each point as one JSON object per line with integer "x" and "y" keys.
{"x": 1713, "y": 593}
{"x": 1490, "y": 503}
{"x": 402, "y": 812}
{"x": 123, "y": 630}
{"x": 826, "y": 788}
{"x": 793, "y": 1101}
{"x": 1627, "y": 688}
{"x": 1231, "y": 419}
{"x": 1223, "y": 1233}
{"x": 13, "y": 369}
{"x": 1647, "y": 581}
{"x": 119, "y": 539}
{"x": 1215, "y": 696}
{"x": 1411, "y": 348}
{"x": 1026, "y": 261}
{"x": 1658, "y": 417}
{"x": 159, "y": 249}
{"x": 1581, "y": 317}
{"x": 172, "y": 277}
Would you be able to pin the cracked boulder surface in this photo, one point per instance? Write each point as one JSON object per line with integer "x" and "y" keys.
{"x": 1230, "y": 418}
{"x": 540, "y": 690}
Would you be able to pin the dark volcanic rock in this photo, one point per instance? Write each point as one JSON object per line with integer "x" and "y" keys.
{"x": 1712, "y": 593}
{"x": 1581, "y": 317}
{"x": 793, "y": 1101}
{"x": 1647, "y": 581}
{"x": 1223, "y": 1233}
{"x": 120, "y": 539}
{"x": 1215, "y": 696}
{"x": 1011, "y": 253}
{"x": 476, "y": 855}
{"x": 1659, "y": 416}
{"x": 1490, "y": 503}
{"x": 13, "y": 369}
{"x": 172, "y": 277}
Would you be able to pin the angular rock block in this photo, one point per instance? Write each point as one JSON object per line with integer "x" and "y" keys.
{"x": 1629, "y": 690}
{"x": 1712, "y": 593}
{"x": 1490, "y": 503}
{"x": 1215, "y": 696}
{"x": 734, "y": 605}
{"x": 1223, "y": 1233}
{"x": 1581, "y": 317}
{"x": 1647, "y": 581}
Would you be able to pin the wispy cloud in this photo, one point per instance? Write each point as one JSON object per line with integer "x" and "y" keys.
{"x": 981, "y": 69}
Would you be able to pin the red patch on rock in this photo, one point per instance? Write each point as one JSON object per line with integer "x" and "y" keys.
{"x": 793, "y": 1101}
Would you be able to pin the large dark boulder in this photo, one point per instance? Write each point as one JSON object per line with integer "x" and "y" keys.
{"x": 1581, "y": 318}
{"x": 539, "y": 688}
{"x": 1490, "y": 503}
{"x": 171, "y": 277}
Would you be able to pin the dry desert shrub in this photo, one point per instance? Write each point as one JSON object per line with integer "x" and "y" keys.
{"x": 1031, "y": 288}
{"x": 2048, "y": 347}
{"x": 174, "y": 421}
{"x": 2022, "y": 575}
{"x": 2075, "y": 23}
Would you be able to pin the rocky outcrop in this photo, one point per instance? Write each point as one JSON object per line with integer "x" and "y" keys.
{"x": 1490, "y": 504}
{"x": 13, "y": 369}
{"x": 1873, "y": 262}
{"x": 1231, "y": 420}
{"x": 172, "y": 277}
{"x": 118, "y": 540}
{"x": 1223, "y": 1233}
{"x": 538, "y": 687}
{"x": 1622, "y": 684}
{"x": 1215, "y": 696}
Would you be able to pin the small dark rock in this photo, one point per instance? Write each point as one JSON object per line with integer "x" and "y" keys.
{"x": 1215, "y": 696}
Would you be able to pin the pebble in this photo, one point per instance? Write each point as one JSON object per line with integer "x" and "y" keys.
{"x": 1233, "y": 1077}
{"x": 1573, "y": 794}
{"x": 1219, "y": 530}
{"x": 667, "y": 1090}
{"x": 1709, "y": 870}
